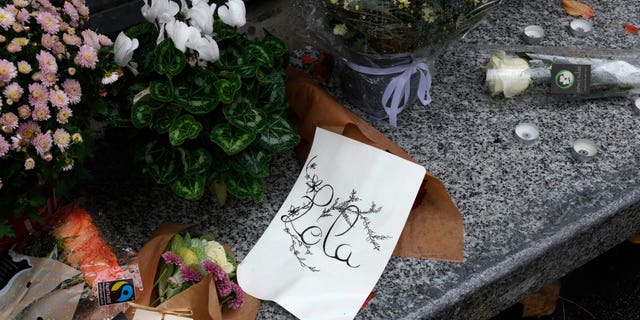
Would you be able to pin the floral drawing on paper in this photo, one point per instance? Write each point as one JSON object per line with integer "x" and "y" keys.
{"x": 328, "y": 224}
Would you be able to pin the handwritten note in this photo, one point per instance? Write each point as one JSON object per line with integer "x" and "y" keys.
{"x": 330, "y": 241}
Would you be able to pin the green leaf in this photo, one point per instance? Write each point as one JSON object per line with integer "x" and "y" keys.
{"x": 242, "y": 114}
{"x": 177, "y": 242}
{"x": 260, "y": 55}
{"x": 231, "y": 139}
{"x": 161, "y": 90}
{"x": 199, "y": 99}
{"x": 183, "y": 128}
{"x": 5, "y": 229}
{"x": 278, "y": 135}
{"x": 164, "y": 117}
{"x": 253, "y": 161}
{"x": 141, "y": 114}
{"x": 220, "y": 191}
{"x": 244, "y": 186}
{"x": 247, "y": 71}
{"x": 196, "y": 162}
{"x": 160, "y": 162}
{"x": 274, "y": 45}
{"x": 227, "y": 88}
{"x": 190, "y": 188}
{"x": 168, "y": 59}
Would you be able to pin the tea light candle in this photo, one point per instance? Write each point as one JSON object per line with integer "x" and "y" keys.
{"x": 533, "y": 34}
{"x": 581, "y": 27}
{"x": 637, "y": 106}
{"x": 585, "y": 149}
{"x": 526, "y": 133}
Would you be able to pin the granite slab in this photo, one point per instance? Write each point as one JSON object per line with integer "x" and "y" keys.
{"x": 532, "y": 213}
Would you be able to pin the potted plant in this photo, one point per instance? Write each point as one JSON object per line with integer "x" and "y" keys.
{"x": 207, "y": 102}
{"x": 47, "y": 61}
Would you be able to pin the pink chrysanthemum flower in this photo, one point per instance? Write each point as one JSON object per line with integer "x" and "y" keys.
{"x": 46, "y": 61}
{"x": 50, "y": 22}
{"x": 20, "y": 3}
{"x": 104, "y": 40}
{"x": 4, "y": 147}
{"x": 11, "y": 8}
{"x": 8, "y": 70}
{"x": 10, "y": 120}
{"x": 47, "y": 40}
{"x": 17, "y": 142}
{"x": 29, "y": 163}
{"x": 58, "y": 98}
{"x": 83, "y": 11}
{"x": 41, "y": 113}
{"x": 24, "y": 67}
{"x": 71, "y": 11}
{"x": 14, "y": 47}
{"x": 63, "y": 115}
{"x": 110, "y": 78}
{"x": 71, "y": 39}
{"x": 87, "y": 57}
{"x": 223, "y": 285}
{"x": 90, "y": 38}
{"x": 42, "y": 142}
{"x": 78, "y": 3}
{"x": 239, "y": 299}
{"x": 17, "y": 27}
{"x": 73, "y": 90}
{"x": 191, "y": 273}
{"x": 59, "y": 47}
{"x": 13, "y": 92}
{"x": 38, "y": 94}
{"x": 45, "y": 3}
{"x": 49, "y": 78}
{"x": 172, "y": 258}
{"x": 7, "y": 18}
{"x": 24, "y": 111}
{"x": 28, "y": 130}
{"x": 23, "y": 16}
{"x": 62, "y": 139}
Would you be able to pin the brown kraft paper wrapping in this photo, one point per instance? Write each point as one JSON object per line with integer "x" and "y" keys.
{"x": 201, "y": 297}
{"x": 434, "y": 228}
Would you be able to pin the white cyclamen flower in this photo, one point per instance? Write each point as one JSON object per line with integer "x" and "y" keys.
{"x": 233, "y": 13}
{"x": 200, "y": 16}
{"x": 206, "y": 47}
{"x": 123, "y": 49}
{"x": 161, "y": 10}
{"x": 180, "y": 33}
{"x": 509, "y": 76}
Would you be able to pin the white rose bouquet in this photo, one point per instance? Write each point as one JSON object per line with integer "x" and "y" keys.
{"x": 563, "y": 73}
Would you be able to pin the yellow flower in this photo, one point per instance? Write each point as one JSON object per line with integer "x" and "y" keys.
{"x": 340, "y": 29}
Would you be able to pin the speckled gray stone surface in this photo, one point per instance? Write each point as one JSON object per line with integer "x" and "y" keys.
{"x": 531, "y": 213}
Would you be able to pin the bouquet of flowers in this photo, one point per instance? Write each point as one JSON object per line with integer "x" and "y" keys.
{"x": 563, "y": 73}
{"x": 385, "y": 46}
{"x": 208, "y": 103}
{"x": 194, "y": 274}
{"x": 46, "y": 61}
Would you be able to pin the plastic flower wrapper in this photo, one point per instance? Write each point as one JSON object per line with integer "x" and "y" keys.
{"x": 386, "y": 46}
{"x": 191, "y": 273}
{"x": 203, "y": 106}
{"x": 47, "y": 97}
{"x": 65, "y": 271}
{"x": 545, "y": 74}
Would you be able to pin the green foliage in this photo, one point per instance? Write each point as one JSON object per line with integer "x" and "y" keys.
{"x": 215, "y": 127}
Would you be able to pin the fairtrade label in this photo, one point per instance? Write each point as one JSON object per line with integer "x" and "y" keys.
{"x": 570, "y": 78}
{"x": 111, "y": 292}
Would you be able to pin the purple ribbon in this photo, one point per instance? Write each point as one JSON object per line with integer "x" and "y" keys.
{"x": 400, "y": 86}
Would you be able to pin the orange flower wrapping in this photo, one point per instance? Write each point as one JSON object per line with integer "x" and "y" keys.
{"x": 85, "y": 248}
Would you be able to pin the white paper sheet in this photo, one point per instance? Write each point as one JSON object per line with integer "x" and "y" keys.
{"x": 330, "y": 241}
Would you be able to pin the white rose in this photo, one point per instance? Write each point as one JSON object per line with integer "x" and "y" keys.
{"x": 123, "y": 49}
{"x": 215, "y": 251}
{"x": 509, "y": 76}
{"x": 233, "y": 13}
